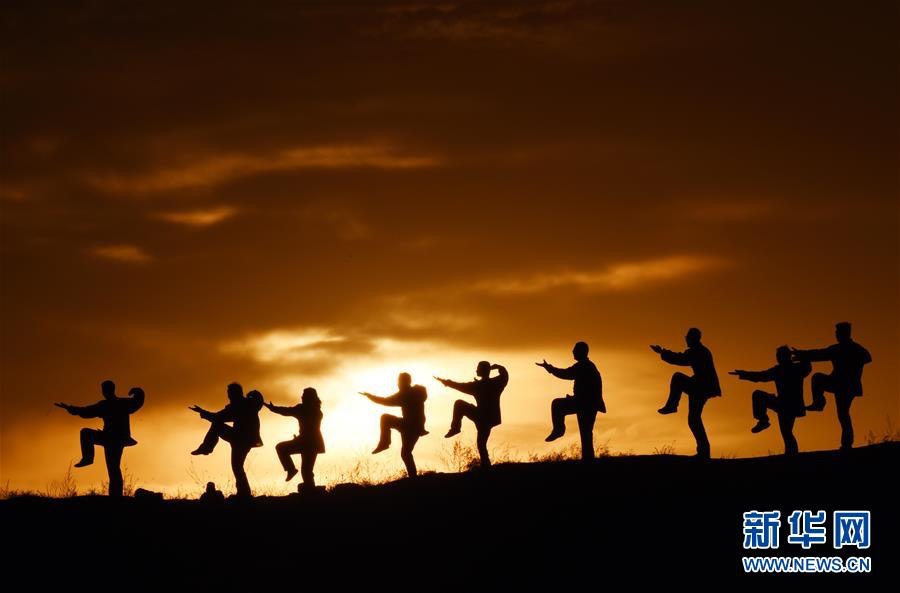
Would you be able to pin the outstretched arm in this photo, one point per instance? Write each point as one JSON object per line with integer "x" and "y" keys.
{"x": 755, "y": 376}
{"x": 815, "y": 355}
{"x": 567, "y": 374}
{"x": 391, "y": 400}
{"x": 676, "y": 358}
{"x": 280, "y": 410}
{"x": 466, "y": 388}
{"x": 220, "y": 416}
{"x": 91, "y": 411}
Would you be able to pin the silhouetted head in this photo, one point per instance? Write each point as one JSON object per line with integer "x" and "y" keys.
{"x": 483, "y": 369}
{"x": 310, "y": 396}
{"x": 210, "y": 487}
{"x": 783, "y": 355}
{"x": 580, "y": 351}
{"x": 108, "y": 389}
{"x": 404, "y": 381}
{"x": 842, "y": 331}
{"x": 235, "y": 391}
{"x": 692, "y": 338}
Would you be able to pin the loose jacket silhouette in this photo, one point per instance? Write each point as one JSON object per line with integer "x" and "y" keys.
{"x": 786, "y": 402}
{"x": 116, "y": 432}
{"x": 845, "y": 381}
{"x": 308, "y": 442}
{"x": 243, "y": 433}
{"x": 485, "y": 414}
{"x": 702, "y": 385}
{"x": 586, "y": 399}
{"x": 411, "y": 425}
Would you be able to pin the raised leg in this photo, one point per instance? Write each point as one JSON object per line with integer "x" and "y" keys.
{"x": 679, "y": 385}
{"x": 88, "y": 437}
{"x": 388, "y": 422}
{"x": 559, "y": 409}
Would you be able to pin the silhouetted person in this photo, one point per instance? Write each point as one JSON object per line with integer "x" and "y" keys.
{"x": 787, "y": 402}
{"x": 845, "y": 381}
{"x": 586, "y": 401}
{"x": 486, "y": 412}
{"x": 242, "y": 434}
{"x": 703, "y": 385}
{"x": 308, "y": 443}
{"x": 411, "y": 401}
{"x": 115, "y": 434}
{"x": 212, "y": 495}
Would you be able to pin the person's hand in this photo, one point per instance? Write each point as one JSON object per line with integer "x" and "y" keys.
{"x": 543, "y": 364}
{"x": 496, "y": 367}
{"x": 736, "y": 372}
{"x": 65, "y": 407}
{"x": 136, "y": 391}
{"x": 268, "y": 405}
{"x": 441, "y": 381}
{"x": 196, "y": 408}
{"x": 366, "y": 394}
{"x": 657, "y": 348}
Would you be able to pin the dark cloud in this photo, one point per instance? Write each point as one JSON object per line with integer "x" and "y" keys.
{"x": 180, "y": 182}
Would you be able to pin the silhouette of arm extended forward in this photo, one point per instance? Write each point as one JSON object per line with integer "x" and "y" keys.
{"x": 91, "y": 411}
{"x": 280, "y": 410}
{"x": 391, "y": 400}
{"x": 467, "y": 388}
{"x": 755, "y": 376}
{"x": 566, "y": 374}
{"x": 814, "y": 355}
{"x": 682, "y": 359}
{"x": 223, "y": 415}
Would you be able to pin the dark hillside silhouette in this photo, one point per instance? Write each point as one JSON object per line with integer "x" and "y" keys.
{"x": 549, "y": 527}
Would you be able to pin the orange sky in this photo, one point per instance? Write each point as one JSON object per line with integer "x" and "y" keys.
{"x": 328, "y": 195}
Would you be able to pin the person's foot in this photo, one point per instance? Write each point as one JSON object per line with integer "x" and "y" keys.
{"x": 845, "y": 448}
{"x": 381, "y": 447}
{"x": 667, "y": 410}
{"x": 452, "y": 433}
{"x": 290, "y": 474}
{"x": 201, "y": 451}
{"x": 84, "y": 463}
{"x": 554, "y": 435}
{"x": 814, "y": 407}
{"x": 702, "y": 456}
{"x": 761, "y": 425}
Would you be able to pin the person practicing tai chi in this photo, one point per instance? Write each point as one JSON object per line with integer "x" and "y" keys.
{"x": 308, "y": 443}
{"x": 703, "y": 385}
{"x": 845, "y": 381}
{"x": 586, "y": 401}
{"x": 243, "y": 433}
{"x": 411, "y": 401}
{"x": 485, "y": 414}
{"x": 787, "y": 402}
{"x": 115, "y": 434}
